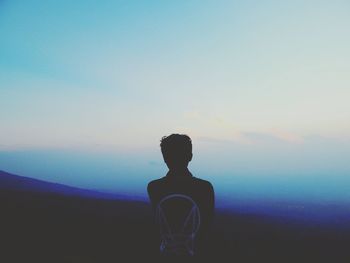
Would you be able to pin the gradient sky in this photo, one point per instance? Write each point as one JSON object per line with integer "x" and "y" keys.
{"x": 262, "y": 87}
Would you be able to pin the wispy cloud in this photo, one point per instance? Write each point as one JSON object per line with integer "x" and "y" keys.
{"x": 230, "y": 132}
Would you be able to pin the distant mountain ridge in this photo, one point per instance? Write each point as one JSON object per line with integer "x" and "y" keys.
{"x": 14, "y": 182}
{"x": 336, "y": 215}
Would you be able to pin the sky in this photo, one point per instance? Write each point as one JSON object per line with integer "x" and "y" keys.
{"x": 262, "y": 88}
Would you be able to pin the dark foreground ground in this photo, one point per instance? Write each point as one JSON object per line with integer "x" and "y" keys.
{"x": 51, "y": 227}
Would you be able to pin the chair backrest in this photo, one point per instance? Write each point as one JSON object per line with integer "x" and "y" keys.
{"x": 179, "y": 219}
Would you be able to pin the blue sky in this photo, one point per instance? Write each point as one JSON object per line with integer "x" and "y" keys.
{"x": 262, "y": 87}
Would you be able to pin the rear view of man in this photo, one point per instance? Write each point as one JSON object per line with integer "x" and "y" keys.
{"x": 183, "y": 204}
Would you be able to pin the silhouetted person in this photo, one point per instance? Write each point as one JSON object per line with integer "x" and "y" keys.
{"x": 183, "y": 204}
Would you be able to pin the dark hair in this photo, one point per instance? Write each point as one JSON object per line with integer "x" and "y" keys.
{"x": 176, "y": 149}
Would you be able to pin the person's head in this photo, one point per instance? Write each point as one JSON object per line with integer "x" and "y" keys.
{"x": 176, "y": 150}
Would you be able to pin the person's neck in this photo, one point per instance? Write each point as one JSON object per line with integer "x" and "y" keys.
{"x": 179, "y": 171}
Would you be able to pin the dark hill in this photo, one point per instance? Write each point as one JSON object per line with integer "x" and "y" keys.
{"x": 45, "y": 222}
{"x": 20, "y": 183}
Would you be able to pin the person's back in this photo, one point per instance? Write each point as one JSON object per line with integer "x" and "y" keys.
{"x": 179, "y": 196}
